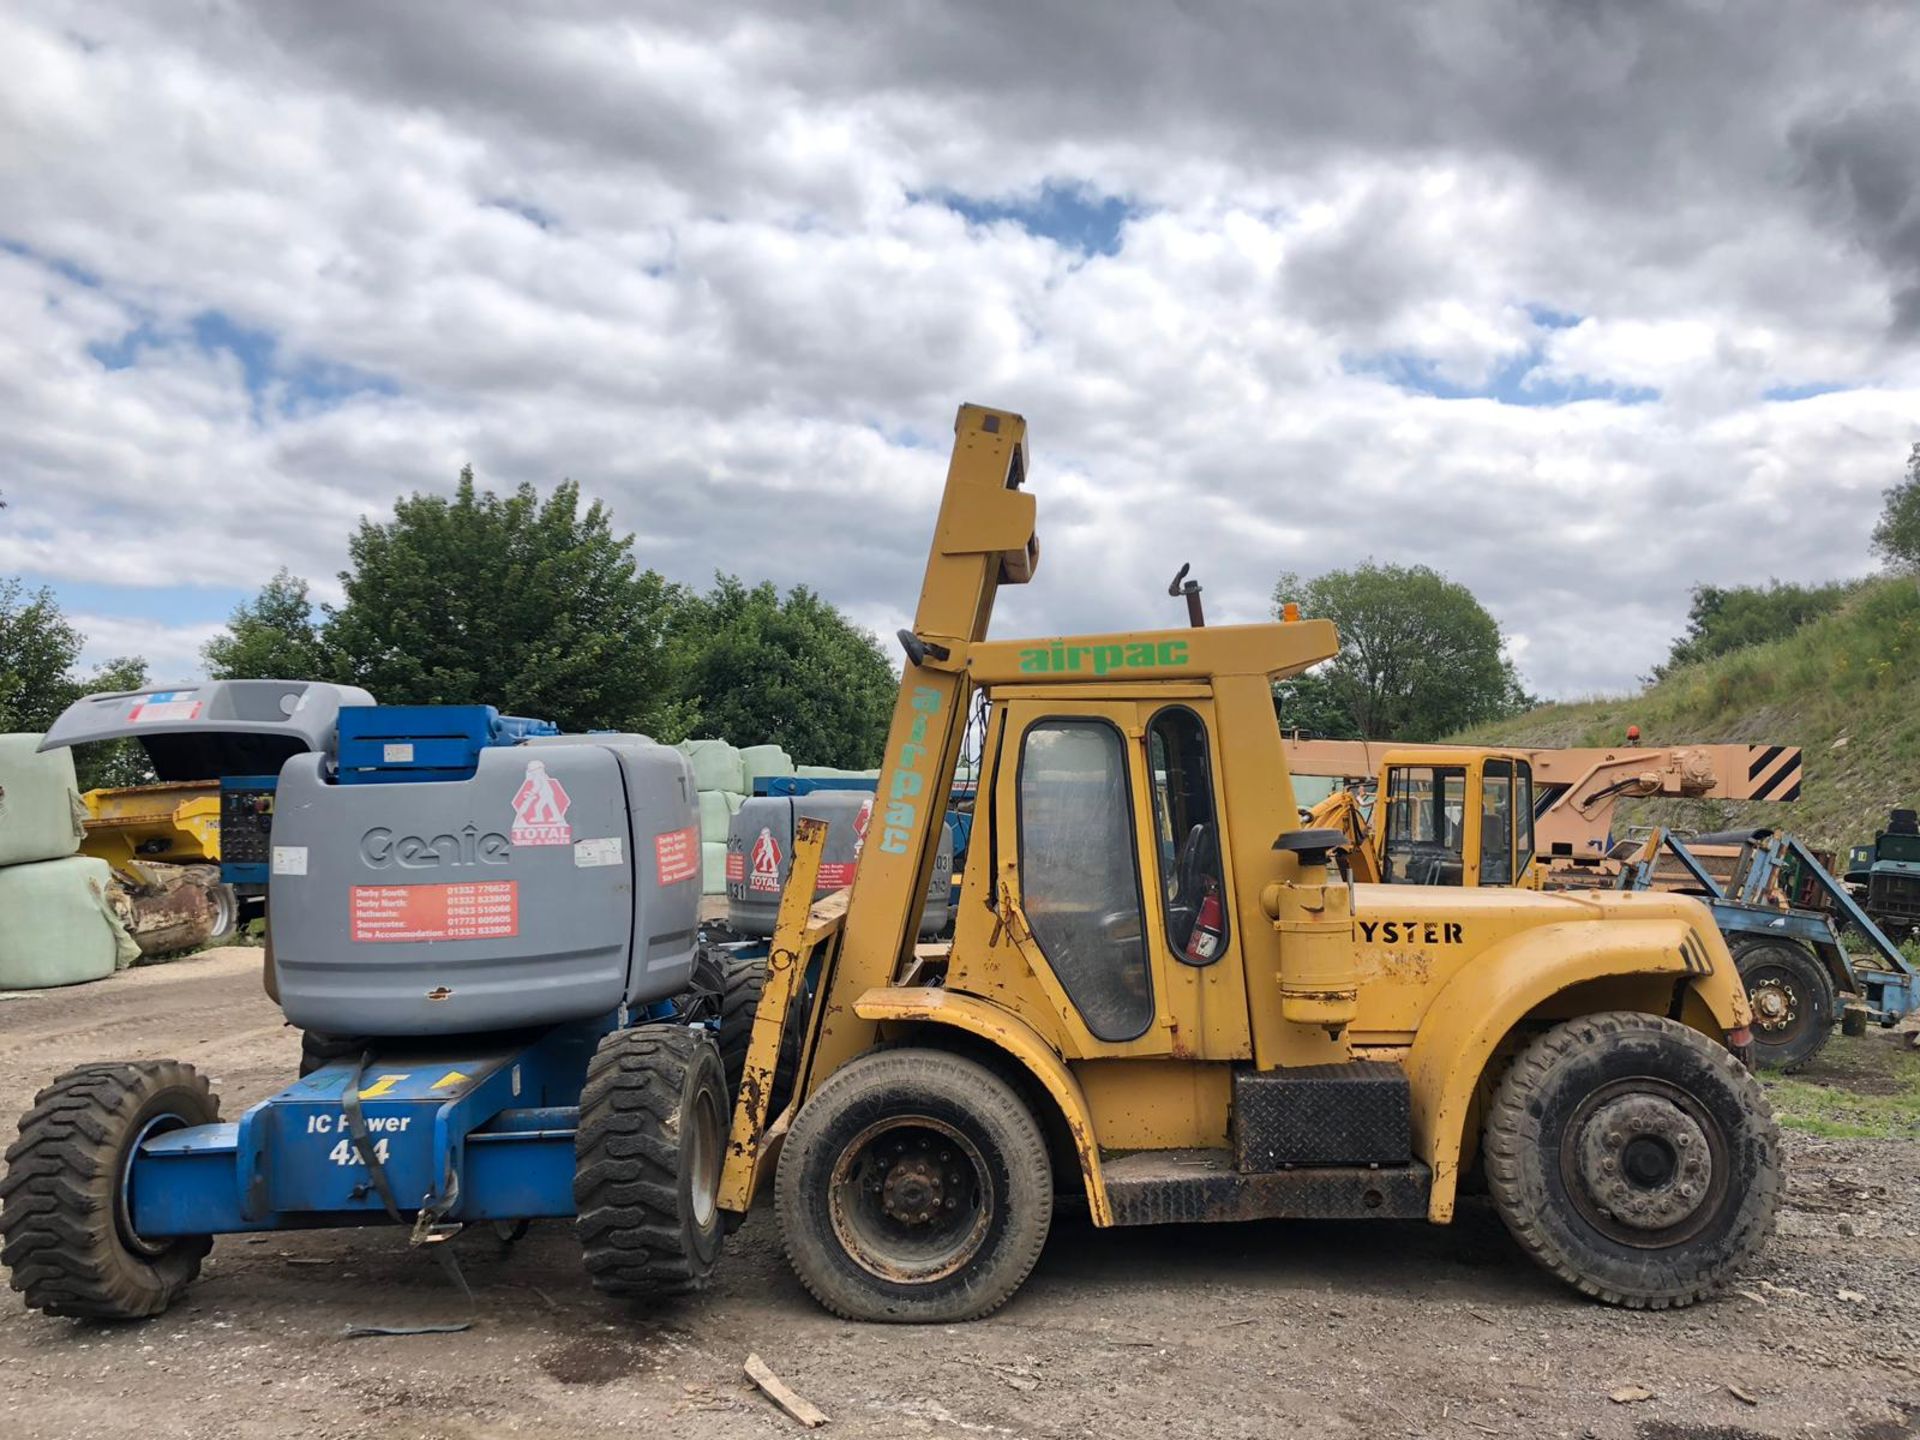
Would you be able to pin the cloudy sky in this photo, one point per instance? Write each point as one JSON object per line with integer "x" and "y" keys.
{"x": 1580, "y": 304}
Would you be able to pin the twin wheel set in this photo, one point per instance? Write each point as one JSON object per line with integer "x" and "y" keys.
{"x": 1629, "y": 1155}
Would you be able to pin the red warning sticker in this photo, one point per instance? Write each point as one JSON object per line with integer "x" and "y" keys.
{"x": 165, "y": 705}
{"x": 540, "y": 809}
{"x": 766, "y": 863}
{"x": 478, "y": 910}
{"x": 676, "y": 855}
{"x": 736, "y": 867}
{"x": 838, "y": 875}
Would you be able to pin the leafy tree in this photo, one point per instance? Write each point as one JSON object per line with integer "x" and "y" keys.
{"x": 1308, "y": 703}
{"x": 272, "y": 637}
{"x": 39, "y": 649}
{"x": 534, "y": 606}
{"x": 761, "y": 670}
{"x": 1722, "y": 619}
{"x": 1419, "y": 656}
{"x": 1896, "y": 539}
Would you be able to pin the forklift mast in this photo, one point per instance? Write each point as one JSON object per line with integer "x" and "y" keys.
{"x": 984, "y": 538}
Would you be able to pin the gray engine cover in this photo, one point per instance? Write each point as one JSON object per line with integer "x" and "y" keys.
{"x": 560, "y": 882}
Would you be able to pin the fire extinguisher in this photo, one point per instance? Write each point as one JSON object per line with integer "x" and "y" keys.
{"x": 1209, "y": 928}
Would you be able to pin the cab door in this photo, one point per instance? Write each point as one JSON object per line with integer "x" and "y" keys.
{"x": 1118, "y": 846}
{"x": 1068, "y": 789}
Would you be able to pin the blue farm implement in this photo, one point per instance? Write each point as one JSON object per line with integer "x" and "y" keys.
{"x": 1791, "y": 956}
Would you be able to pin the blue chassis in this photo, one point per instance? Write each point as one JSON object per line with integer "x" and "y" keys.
{"x": 470, "y": 1135}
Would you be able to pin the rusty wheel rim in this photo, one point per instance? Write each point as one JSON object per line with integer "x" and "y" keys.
{"x": 1780, "y": 1012}
{"x": 910, "y": 1199}
{"x": 1644, "y": 1163}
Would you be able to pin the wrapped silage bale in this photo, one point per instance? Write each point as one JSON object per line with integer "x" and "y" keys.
{"x": 41, "y": 817}
{"x": 762, "y": 762}
{"x": 60, "y": 928}
{"x": 830, "y": 772}
{"x": 734, "y": 801}
{"x": 716, "y": 764}
{"x": 713, "y": 867}
{"x": 714, "y": 815}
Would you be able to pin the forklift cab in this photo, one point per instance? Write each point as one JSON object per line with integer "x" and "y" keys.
{"x": 1458, "y": 818}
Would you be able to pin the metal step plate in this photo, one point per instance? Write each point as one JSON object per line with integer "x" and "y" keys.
{"x": 1353, "y": 1114}
{"x": 1164, "y": 1187}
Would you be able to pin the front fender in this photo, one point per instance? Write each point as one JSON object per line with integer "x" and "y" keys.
{"x": 1013, "y": 1037}
{"x": 1486, "y": 998}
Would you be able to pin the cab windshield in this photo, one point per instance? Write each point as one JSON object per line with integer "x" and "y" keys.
{"x": 1425, "y": 822}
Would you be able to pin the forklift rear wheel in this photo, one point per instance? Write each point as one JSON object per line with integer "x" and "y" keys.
{"x": 1634, "y": 1158}
{"x": 914, "y": 1187}
{"x": 66, "y": 1231}
{"x": 1793, "y": 1002}
{"x": 647, "y": 1158}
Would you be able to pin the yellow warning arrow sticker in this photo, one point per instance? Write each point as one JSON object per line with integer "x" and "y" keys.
{"x": 452, "y": 1077}
{"x": 382, "y": 1086}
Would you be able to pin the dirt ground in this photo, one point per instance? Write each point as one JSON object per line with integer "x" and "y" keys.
{"x": 1221, "y": 1332}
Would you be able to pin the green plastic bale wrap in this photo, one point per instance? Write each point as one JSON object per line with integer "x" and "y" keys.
{"x": 713, "y": 815}
{"x": 716, "y": 764}
{"x": 759, "y": 762}
{"x": 41, "y": 817}
{"x": 60, "y": 927}
{"x": 713, "y": 867}
{"x": 831, "y": 772}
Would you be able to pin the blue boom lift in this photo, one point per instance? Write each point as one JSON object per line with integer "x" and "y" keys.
{"x": 493, "y": 928}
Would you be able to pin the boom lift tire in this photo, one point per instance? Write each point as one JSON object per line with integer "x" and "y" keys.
{"x": 914, "y": 1187}
{"x": 318, "y": 1051}
{"x": 1634, "y": 1158}
{"x": 65, "y": 1234}
{"x": 737, "y": 981}
{"x": 647, "y": 1157}
{"x": 1793, "y": 999}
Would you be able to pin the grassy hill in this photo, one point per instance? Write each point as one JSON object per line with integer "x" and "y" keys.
{"x": 1845, "y": 687}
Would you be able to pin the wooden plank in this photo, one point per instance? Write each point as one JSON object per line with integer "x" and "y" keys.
{"x": 776, "y": 1390}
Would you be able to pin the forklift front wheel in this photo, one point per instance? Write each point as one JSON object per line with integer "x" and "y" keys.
{"x": 65, "y": 1214}
{"x": 915, "y": 1186}
{"x": 1634, "y": 1158}
{"x": 647, "y": 1158}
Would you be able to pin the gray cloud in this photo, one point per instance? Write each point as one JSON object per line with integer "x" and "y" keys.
{"x": 690, "y": 255}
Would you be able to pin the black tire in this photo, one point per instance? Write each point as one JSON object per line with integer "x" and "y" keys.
{"x": 647, "y": 1158}
{"x": 226, "y": 915}
{"x": 1595, "y": 1136}
{"x": 69, "y": 1244}
{"x": 737, "y": 982}
{"x": 317, "y": 1051}
{"x": 1793, "y": 1000}
{"x": 874, "y": 1243}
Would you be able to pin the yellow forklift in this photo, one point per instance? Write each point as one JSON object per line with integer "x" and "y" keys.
{"x": 1167, "y": 999}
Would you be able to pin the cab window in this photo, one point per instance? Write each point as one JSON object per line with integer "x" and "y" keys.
{"x": 1187, "y": 836}
{"x": 1522, "y": 817}
{"x": 1079, "y": 876}
{"x": 1426, "y": 822}
{"x": 1496, "y": 823}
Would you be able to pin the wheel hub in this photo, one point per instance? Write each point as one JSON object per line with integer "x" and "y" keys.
{"x": 1645, "y": 1162}
{"x": 909, "y": 1199}
{"x": 1775, "y": 1005}
{"x": 914, "y": 1190}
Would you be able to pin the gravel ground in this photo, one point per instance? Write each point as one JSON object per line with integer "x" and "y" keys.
{"x": 1219, "y": 1332}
